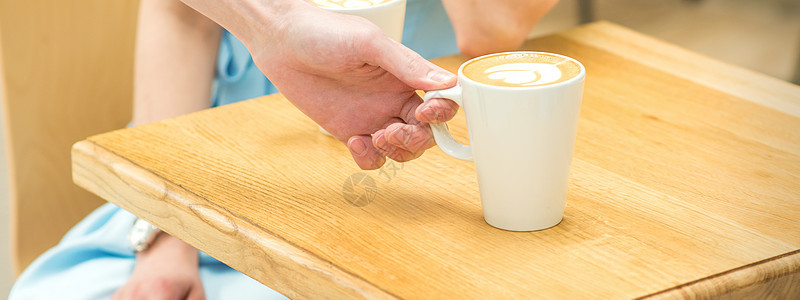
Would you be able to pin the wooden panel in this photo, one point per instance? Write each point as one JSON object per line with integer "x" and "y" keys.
{"x": 68, "y": 74}
{"x": 678, "y": 187}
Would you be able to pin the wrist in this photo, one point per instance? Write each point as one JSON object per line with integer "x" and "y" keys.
{"x": 169, "y": 248}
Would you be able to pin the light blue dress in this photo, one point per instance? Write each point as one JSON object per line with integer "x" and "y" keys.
{"x": 93, "y": 260}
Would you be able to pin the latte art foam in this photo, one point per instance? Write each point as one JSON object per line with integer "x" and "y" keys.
{"x": 348, "y": 3}
{"x": 525, "y": 74}
{"x": 521, "y": 69}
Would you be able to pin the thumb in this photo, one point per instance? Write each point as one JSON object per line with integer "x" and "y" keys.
{"x": 408, "y": 66}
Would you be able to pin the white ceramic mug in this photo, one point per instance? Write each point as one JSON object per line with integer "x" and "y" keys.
{"x": 521, "y": 139}
{"x": 388, "y": 15}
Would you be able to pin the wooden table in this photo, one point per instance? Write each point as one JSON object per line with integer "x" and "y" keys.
{"x": 685, "y": 182}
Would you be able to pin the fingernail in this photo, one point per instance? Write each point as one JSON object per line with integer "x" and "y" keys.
{"x": 380, "y": 141}
{"x": 439, "y": 76}
{"x": 430, "y": 113}
{"x": 358, "y": 147}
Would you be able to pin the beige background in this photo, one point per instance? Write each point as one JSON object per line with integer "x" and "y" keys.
{"x": 760, "y": 35}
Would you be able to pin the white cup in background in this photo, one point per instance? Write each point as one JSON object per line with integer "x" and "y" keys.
{"x": 388, "y": 15}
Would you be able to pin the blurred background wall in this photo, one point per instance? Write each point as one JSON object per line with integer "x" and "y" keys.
{"x": 68, "y": 69}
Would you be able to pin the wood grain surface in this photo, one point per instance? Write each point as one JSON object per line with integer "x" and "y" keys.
{"x": 679, "y": 188}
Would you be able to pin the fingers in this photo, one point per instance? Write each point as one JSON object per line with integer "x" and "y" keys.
{"x": 391, "y": 151}
{"x": 414, "y": 139}
{"x": 400, "y": 142}
{"x": 403, "y": 142}
{"x": 436, "y": 111}
{"x": 408, "y": 138}
{"x": 407, "y": 65}
{"x": 364, "y": 152}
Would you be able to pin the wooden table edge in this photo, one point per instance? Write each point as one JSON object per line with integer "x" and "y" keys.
{"x": 297, "y": 272}
{"x": 769, "y": 277}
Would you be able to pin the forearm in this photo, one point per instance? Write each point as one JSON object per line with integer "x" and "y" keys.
{"x": 176, "y": 51}
{"x": 254, "y": 22}
{"x": 174, "y": 61}
{"x": 487, "y": 26}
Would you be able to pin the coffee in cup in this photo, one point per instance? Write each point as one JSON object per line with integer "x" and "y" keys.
{"x": 521, "y": 69}
{"x": 522, "y": 116}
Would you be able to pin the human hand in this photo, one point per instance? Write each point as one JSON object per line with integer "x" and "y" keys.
{"x": 167, "y": 270}
{"x": 358, "y": 84}
{"x": 340, "y": 70}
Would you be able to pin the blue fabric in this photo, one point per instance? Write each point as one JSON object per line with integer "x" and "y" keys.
{"x": 93, "y": 260}
{"x": 427, "y": 29}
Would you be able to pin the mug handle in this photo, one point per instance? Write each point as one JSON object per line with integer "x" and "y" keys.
{"x": 440, "y": 131}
